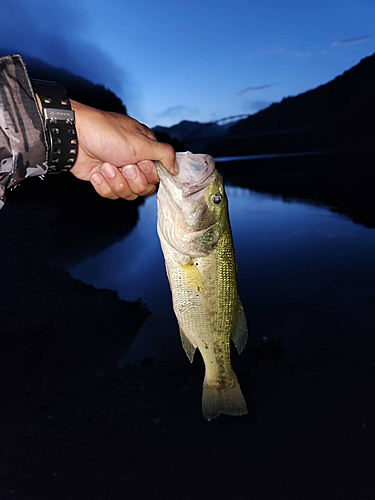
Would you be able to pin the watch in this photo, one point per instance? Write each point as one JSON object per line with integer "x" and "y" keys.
{"x": 59, "y": 122}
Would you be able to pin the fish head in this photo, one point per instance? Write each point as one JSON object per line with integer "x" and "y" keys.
{"x": 192, "y": 206}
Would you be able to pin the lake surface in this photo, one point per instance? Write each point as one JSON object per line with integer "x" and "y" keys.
{"x": 223, "y": 159}
{"x": 306, "y": 275}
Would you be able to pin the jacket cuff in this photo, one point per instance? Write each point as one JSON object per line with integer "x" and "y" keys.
{"x": 23, "y": 147}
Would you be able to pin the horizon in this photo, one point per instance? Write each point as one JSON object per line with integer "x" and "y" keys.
{"x": 205, "y": 60}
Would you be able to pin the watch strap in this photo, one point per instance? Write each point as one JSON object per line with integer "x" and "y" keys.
{"x": 59, "y": 121}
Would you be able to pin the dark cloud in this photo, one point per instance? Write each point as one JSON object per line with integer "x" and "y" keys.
{"x": 350, "y": 41}
{"x": 252, "y": 89}
{"x": 52, "y": 32}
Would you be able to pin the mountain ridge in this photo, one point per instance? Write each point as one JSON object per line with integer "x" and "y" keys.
{"x": 78, "y": 88}
{"x": 335, "y": 115}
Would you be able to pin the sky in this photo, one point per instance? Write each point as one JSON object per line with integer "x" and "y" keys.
{"x": 173, "y": 60}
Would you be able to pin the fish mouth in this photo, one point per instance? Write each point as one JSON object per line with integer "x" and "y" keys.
{"x": 196, "y": 171}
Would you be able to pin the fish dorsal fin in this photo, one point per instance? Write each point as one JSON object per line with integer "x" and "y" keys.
{"x": 187, "y": 345}
{"x": 239, "y": 335}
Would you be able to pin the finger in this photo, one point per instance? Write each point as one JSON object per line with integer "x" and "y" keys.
{"x": 101, "y": 186}
{"x": 152, "y": 191}
{"x": 117, "y": 182}
{"x": 149, "y": 169}
{"x": 137, "y": 180}
{"x": 162, "y": 152}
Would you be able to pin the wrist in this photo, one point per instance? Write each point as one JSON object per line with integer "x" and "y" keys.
{"x": 77, "y": 108}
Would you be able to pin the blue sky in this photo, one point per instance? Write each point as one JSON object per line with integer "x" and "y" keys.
{"x": 171, "y": 60}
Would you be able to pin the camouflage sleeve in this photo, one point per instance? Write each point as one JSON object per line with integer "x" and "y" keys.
{"x": 22, "y": 141}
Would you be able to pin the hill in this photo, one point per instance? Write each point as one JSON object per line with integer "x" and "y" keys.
{"x": 334, "y": 116}
{"x": 195, "y": 136}
{"x": 78, "y": 88}
{"x": 187, "y": 130}
{"x": 337, "y": 115}
{"x": 82, "y": 211}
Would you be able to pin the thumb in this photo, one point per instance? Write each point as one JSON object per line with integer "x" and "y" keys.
{"x": 159, "y": 151}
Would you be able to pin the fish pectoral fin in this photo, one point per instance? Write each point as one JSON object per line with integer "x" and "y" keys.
{"x": 239, "y": 335}
{"x": 187, "y": 345}
{"x": 192, "y": 277}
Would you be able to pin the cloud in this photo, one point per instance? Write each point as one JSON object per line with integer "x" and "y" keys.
{"x": 255, "y": 106}
{"x": 351, "y": 41}
{"x": 54, "y": 34}
{"x": 179, "y": 111}
{"x": 252, "y": 89}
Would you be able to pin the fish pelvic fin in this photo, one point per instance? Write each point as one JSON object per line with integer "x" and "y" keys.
{"x": 189, "y": 348}
{"x": 239, "y": 335}
{"x": 218, "y": 398}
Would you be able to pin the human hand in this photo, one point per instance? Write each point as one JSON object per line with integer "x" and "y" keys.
{"x": 116, "y": 153}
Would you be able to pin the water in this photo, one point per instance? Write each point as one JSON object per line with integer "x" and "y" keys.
{"x": 306, "y": 274}
{"x": 223, "y": 159}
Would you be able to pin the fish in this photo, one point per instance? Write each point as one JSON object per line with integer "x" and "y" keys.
{"x": 196, "y": 239}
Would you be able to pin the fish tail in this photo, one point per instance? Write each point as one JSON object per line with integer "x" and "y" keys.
{"x": 221, "y": 398}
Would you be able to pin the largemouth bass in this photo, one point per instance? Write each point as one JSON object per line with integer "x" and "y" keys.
{"x": 196, "y": 239}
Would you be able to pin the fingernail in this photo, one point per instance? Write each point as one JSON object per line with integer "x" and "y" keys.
{"x": 176, "y": 167}
{"x": 109, "y": 171}
{"x": 145, "y": 167}
{"x": 130, "y": 171}
{"x": 97, "y": 179}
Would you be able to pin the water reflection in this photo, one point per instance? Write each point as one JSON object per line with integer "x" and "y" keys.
{"x": 305, "y": 273}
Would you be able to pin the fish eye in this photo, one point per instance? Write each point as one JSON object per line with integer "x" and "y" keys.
{"x": 216, "y": 199}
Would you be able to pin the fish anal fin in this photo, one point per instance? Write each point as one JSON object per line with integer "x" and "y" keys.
{"x": 226, "y": 399}
{"x": 239, "y": 335}
{"x": 187, "y": 345}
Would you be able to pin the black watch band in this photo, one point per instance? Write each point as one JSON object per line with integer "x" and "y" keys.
{"x": 59, "y": 121}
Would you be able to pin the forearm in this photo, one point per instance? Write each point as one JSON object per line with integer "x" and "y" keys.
{"x": 22, "y": 141}
{"x": 115, "y": 152}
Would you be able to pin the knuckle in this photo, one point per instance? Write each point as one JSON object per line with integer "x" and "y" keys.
{"x": 108, "y": 193}
{"x": 149, "y": 169}
{"x": 140, "y": 187}
{"x": 143, "y": 188}
{"x": 119, "y": 187}
{"x": 150, "y": 192}
{"x": 150, "y": 134}
{"x": 110, "y": 196}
